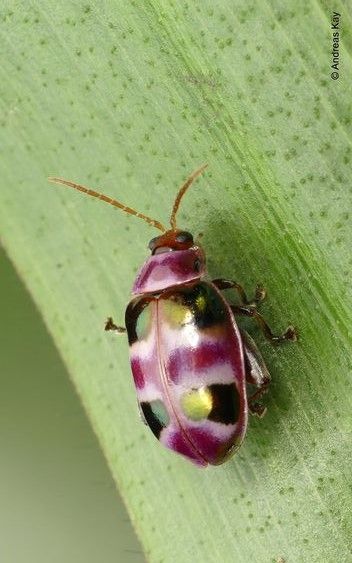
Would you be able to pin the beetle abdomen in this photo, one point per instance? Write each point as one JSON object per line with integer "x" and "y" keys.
{"x": 187, "y": 363}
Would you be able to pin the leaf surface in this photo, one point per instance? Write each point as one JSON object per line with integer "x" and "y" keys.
{"x": 130, "y": 98}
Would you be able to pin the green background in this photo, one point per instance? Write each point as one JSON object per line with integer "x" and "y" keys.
{"x": 58, "y": 500}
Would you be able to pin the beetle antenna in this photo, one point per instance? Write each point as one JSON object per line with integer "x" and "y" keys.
{"x": 182, "y": 192}
{"x": 110, "y": 200}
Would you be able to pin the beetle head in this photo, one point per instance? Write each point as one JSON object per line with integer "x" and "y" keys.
{"x": 171, "y": 240}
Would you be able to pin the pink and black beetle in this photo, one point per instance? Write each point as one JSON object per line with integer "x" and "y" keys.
{"x": 190, "y": 361}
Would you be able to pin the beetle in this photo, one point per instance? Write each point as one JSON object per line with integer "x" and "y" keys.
{"x": 190, "y": 361}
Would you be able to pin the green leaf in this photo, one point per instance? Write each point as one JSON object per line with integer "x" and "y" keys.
{"x": 131, "y": 97}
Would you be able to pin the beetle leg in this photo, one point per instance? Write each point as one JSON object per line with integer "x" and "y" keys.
{"x": 259, "y": 294}
{"x": 248, "y": 311}
{"x": 256, "y": 374}
{"x": 110, "y": 325}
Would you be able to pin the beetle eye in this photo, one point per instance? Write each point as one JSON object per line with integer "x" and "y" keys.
{"x": 152, "y": 243}
{"x": 184, "y": 237}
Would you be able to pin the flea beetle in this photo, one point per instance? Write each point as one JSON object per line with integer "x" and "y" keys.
{"x": 189, "y": 359}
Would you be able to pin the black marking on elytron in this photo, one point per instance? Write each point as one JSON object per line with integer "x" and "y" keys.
{"x": 203, "y": 301}
{"x": 226, "y": 403}
{"x": 152, "y": 420}
{"x": 134, "y": 309}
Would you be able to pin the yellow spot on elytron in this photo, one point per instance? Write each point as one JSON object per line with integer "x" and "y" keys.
{"x": 201, "y": 303}
{"x": 197, "y": 403}
{"x": 177, "y": 314}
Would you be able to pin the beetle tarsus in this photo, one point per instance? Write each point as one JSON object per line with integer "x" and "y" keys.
{"x": 260, "y": 293}
{"x": 257, "y": 409}
{"x": 290, "y": 334}
{"x": 110, "y": 325}
{"x": 259, "y": 296}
